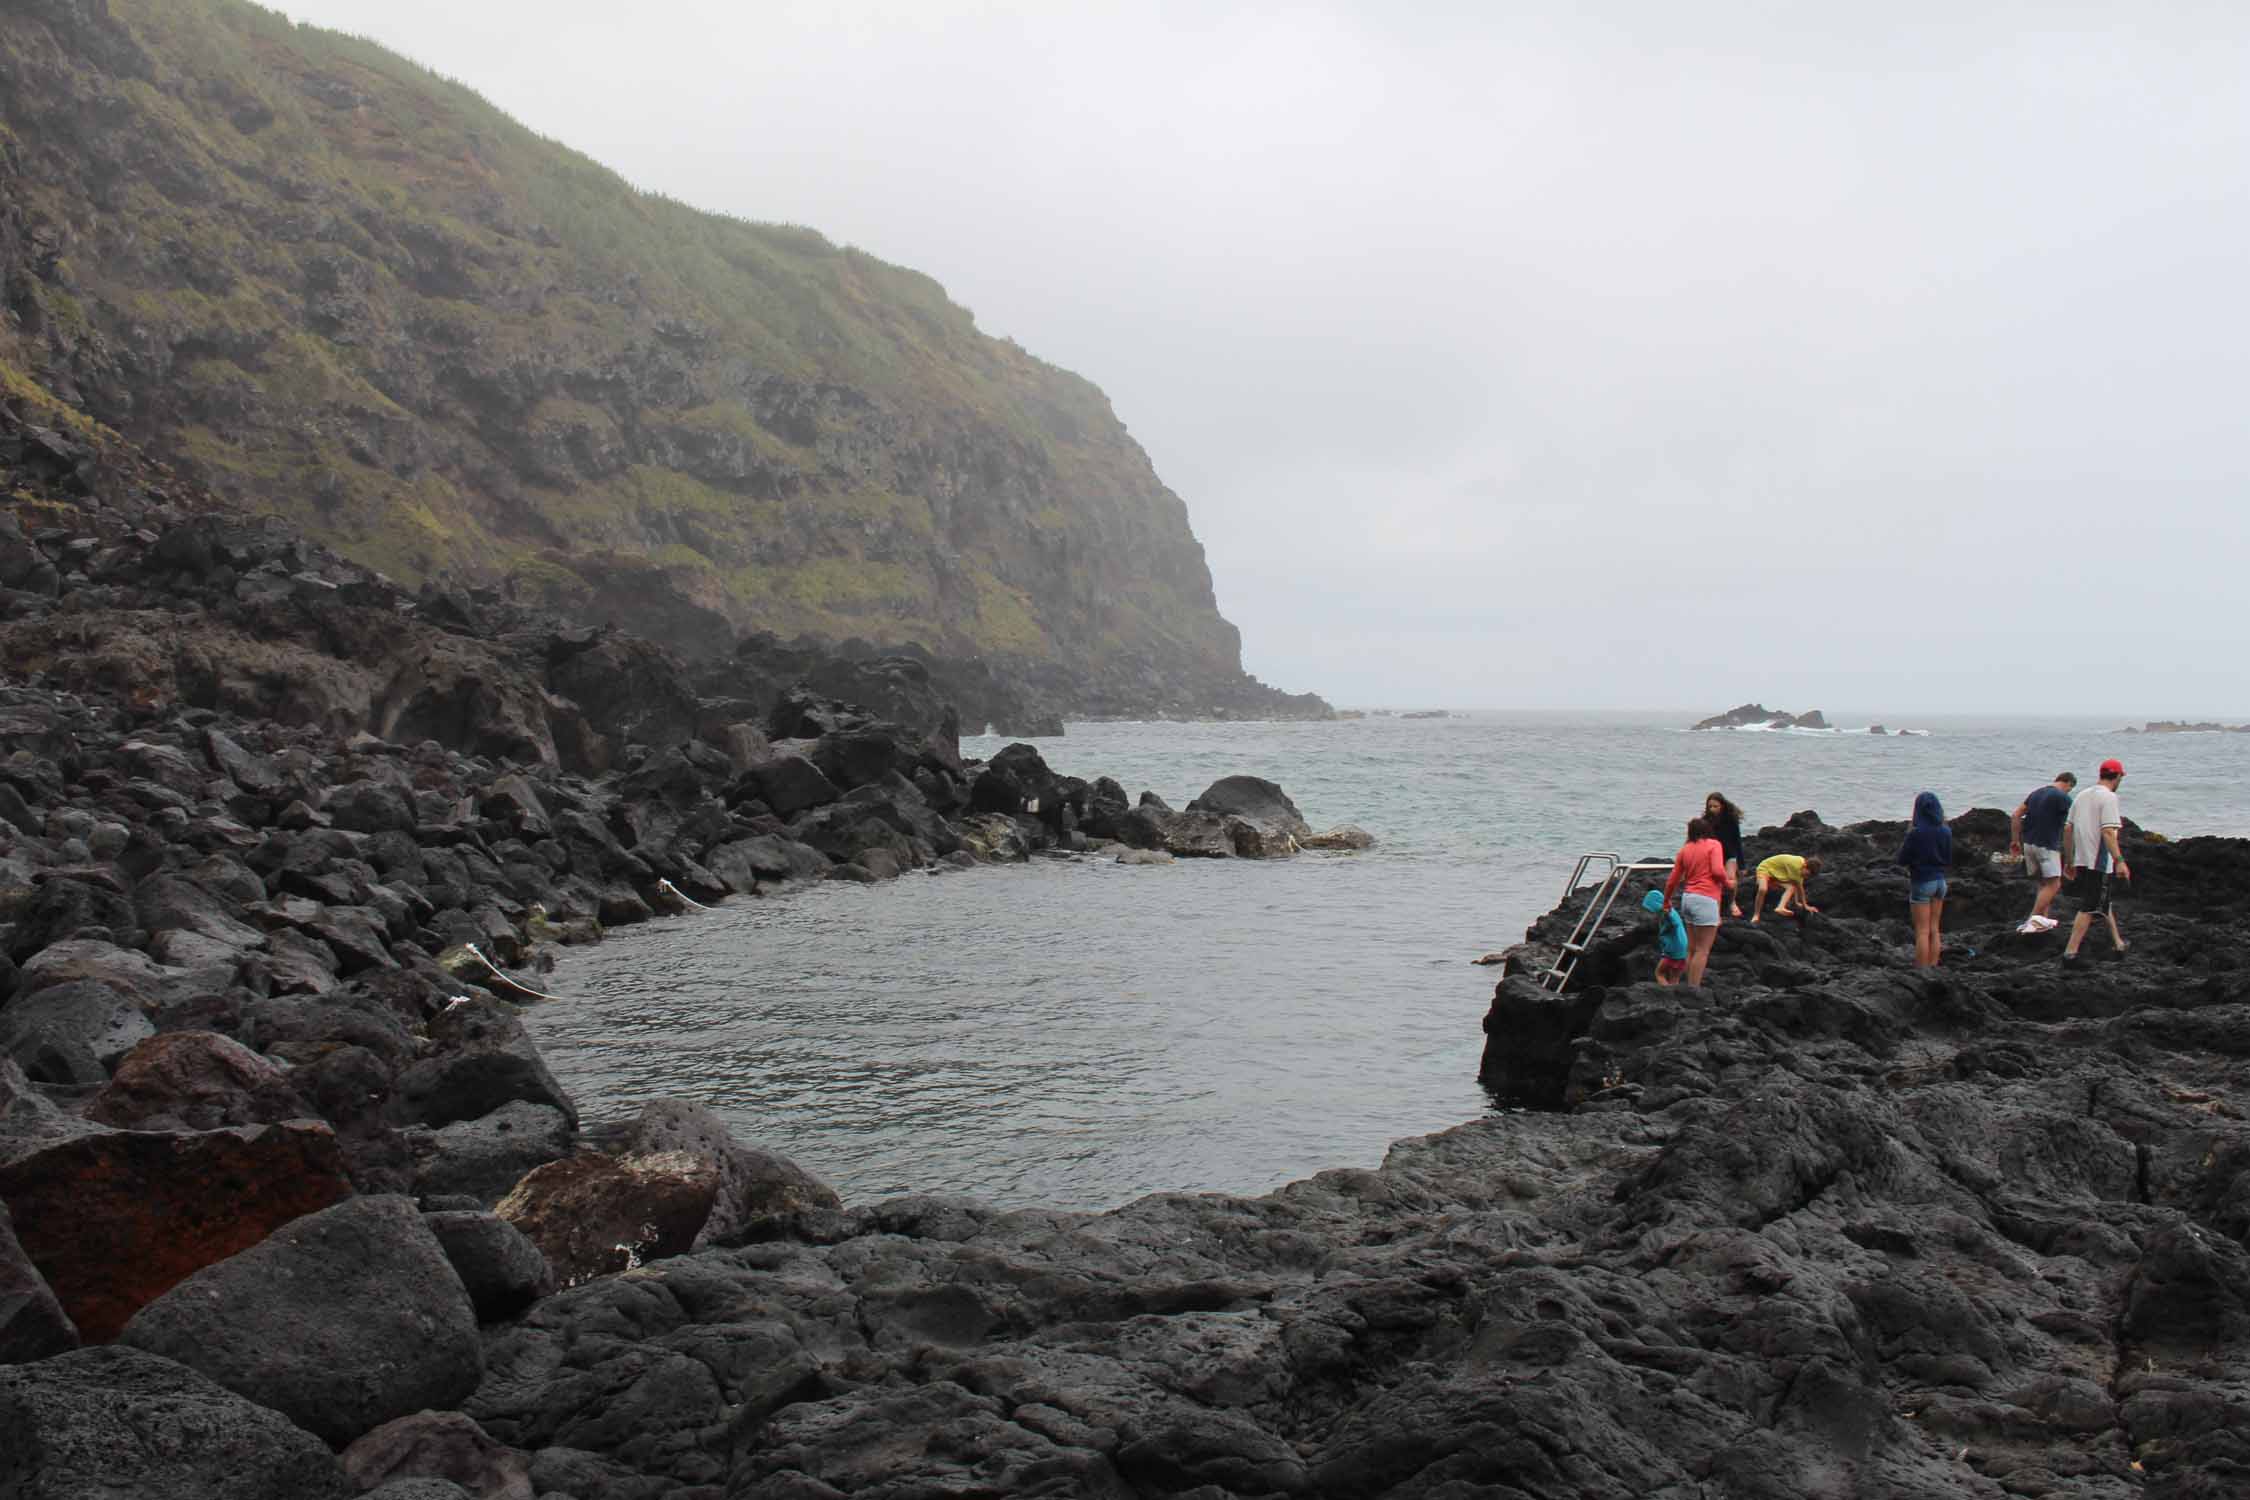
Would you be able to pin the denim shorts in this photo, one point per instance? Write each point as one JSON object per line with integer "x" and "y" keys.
{"x": 1923, "y": 892}
{"x": 1699, "y": 911}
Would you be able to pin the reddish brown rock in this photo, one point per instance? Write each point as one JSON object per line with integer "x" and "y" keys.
{"x": 196, "y": 1079}
{"x": 593, "y": 1214}
{"x": 761, "y": 1196}
{"x": 114, "y": 1221}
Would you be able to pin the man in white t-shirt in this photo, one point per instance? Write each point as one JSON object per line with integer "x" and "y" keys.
{"x": 2092, "y": 857}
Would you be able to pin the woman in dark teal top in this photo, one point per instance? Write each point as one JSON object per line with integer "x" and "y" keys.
{"x": 1725, "y": 822}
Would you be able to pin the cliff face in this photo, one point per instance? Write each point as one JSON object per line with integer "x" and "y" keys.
{"x": 337, "y": 287}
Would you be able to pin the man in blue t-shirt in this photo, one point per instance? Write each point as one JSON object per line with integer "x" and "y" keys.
{"x": 2035, "y": 831}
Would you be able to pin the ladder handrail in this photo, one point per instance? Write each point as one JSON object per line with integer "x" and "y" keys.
{"x": 1613, "y": 882}
{"x": 1578, "y": 875}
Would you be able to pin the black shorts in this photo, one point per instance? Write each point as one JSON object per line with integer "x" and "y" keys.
{"x": 2089, "y": 890}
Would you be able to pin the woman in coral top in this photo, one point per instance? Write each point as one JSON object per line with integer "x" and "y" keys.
{"x": 1699, "y": 878}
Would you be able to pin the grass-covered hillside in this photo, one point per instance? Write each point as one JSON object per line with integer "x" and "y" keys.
{"x": 341, "y": 288}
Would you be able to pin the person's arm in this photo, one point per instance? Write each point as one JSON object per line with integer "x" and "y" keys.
{"x": 1726, "y": 876}
{"x": 1672, "y": 884}
{"x": 2116, "y": 852}
{"x": 2015, "y": 827}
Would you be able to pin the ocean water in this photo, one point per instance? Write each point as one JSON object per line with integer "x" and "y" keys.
{"x": 1076, "y": 1033}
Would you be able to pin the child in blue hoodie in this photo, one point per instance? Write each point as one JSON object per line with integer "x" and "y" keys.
{"x": 1927, "y": 855}
{"x": 1671, "y": 939}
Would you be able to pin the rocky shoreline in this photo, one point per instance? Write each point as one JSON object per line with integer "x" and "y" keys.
{"x": 274, "y": 1147}
{"x": 1830, "y": 1227}
{"x": 1971, "y": 1231}
{"x": 293, "y": 1208}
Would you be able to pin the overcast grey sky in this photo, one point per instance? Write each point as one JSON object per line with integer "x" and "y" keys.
{"x": 1637, "y": 355}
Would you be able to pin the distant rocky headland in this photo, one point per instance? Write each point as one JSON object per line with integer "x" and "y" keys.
{"x": 2177, "y": 726}
{"x": 335, "y": 287}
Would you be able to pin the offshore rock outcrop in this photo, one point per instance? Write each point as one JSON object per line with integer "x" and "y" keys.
{"x": 1758, "y": 716}
{"x": 2183, "y": 726}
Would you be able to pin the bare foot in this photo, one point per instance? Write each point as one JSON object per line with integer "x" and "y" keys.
{"x": 1754, "y": 921}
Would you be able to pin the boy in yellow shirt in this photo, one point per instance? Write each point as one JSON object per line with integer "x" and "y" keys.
{"x": 1790, "y": 872}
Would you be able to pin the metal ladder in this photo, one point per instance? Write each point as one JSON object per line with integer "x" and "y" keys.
{"x": 1615, "y": 874}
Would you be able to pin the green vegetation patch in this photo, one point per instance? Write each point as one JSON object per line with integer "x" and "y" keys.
{"x": 1006, "y": 620}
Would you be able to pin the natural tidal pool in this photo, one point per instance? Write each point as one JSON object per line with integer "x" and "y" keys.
{"x": 1076, "y": 1033}
{"x": 1071, "y": 1032}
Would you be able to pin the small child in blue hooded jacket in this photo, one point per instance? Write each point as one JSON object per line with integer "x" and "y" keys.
{"x": 1927, "y": 855}
{"x": 1671, "y": 939}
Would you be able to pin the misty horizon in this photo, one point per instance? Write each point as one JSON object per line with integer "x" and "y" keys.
{"x": 1551, "y": 360}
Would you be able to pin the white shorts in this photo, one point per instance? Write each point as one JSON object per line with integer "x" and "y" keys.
{"x": 1698, "y": 911}
{"x": 2042, "y": 864}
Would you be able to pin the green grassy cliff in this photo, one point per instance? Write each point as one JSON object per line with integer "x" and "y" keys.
{"x": 341, "y": 288}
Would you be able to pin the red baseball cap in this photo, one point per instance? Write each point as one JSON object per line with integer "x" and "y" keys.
{"x": 2113, "y": 768}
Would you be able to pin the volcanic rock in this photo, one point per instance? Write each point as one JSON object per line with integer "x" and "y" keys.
{"x": 486, "y": 1061}
{"x": 342, "y": 1321}
{"x": 122, "y": 1422}
{"x": 195, "y": 1080}
{"x": 1018, "y": 780}
{"x": 61, "y": 906}
{"x": 994, "y": 838}
{"x": 71, "y": 1033}
{"x": 445, "y": 1446}
{"x": 485, "y": 1157}
{"x": 1757, "y": 715}
{"x": 789, "y": 784}
{"x": 592, "y": 1214}
{"x": 760, "y": 1196}
{"x": 168, "y": 903}
{"x": 502, "y": 1271}
{"x": 32, "y": 1323}
{"x": 1191, "y": 835}
{"x": 1256, "y": 801}
{"x": 103, "y": 962}
{"x": 371, "y": 807}
{"x": 117, "y": 1219}
{"x": 29, "y": 1120}
{"x": 854, "y": 757}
